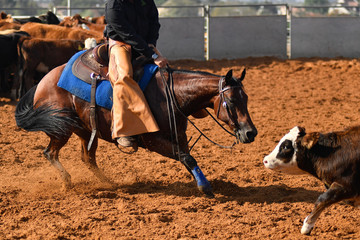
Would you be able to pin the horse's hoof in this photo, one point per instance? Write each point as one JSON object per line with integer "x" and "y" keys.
{"x": 202, "y": 183}
{"x": 207, "y": 191}
{"x": 66, "y": 187}
{"x": 113, "y": 186}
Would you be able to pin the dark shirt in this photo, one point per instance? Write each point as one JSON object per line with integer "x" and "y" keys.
{"x": 133, "y": 22}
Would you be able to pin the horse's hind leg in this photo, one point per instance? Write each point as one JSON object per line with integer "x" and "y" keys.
{"x": 52, "y": 154}
{"x": 89, "y": 158}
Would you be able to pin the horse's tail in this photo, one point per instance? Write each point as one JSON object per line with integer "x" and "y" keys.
{"x": 54, "y": 122}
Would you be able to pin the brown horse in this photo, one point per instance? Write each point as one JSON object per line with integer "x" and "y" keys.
{"x": 53, "y": 110}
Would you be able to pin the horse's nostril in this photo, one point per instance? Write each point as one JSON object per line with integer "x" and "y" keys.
{"x": 251, "y": 135}
{"x": 265, "y": 161}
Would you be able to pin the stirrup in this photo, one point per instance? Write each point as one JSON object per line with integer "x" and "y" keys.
{"x": 127, "y": 143}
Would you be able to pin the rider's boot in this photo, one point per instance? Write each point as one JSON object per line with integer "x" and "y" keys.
{"x": 129, "y": 143}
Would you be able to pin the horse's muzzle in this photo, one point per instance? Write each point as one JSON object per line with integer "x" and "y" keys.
{"x": 246, "y": 134}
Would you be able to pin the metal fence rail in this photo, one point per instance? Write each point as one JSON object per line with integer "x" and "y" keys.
{"x": 207, "y": 10}
{"x": 237, "y": 31}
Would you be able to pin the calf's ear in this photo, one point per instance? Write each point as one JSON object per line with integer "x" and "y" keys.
{"x": 310, "y": 140}
{"x": 302, "y": 131}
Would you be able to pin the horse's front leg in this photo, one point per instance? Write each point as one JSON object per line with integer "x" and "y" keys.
{"x": 89, "y": 158}
{"x": 161, "y": 145}
{"x": 201, "y": 181}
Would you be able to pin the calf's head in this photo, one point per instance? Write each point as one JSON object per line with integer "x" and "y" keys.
{"x": 284, "y": 157}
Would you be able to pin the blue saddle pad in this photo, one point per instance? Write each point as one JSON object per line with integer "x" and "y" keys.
{"x": 103, "y": 97}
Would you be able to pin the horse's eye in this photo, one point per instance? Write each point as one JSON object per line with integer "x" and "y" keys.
{"x": 231, "y": 102}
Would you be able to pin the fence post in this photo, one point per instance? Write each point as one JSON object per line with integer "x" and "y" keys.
{"x": 69, "y": 8}
{"x": 207, "y": 31}
{"x": 288, "y": 26}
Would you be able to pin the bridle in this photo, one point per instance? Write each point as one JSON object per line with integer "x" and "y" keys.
{"x": 172, "y": 102}
{"x": 226, "y": 103}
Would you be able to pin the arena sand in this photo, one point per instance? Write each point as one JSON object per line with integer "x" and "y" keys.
{"x": 158, "y": 199}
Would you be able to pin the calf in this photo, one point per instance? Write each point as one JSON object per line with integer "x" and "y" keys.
{"x": 333, "y": 158}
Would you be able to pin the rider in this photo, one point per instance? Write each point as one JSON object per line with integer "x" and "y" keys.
{"x": 132, "y": 29}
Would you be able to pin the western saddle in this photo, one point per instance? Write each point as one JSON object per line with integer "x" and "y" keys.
{"x": 92, "y": 66}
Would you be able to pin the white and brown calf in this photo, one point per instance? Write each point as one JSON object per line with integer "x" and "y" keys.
{"x": 333, "y": 158}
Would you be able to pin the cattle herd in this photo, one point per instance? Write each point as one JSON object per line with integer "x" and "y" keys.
{"x": 31, "y": 47}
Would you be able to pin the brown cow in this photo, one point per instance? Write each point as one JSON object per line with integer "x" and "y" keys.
{"x": 98, "y": 20}
{"x": 333, "y": 158}
{"x": 40, "y": 56}
{"x": 6, "y": 17}
{"x": 4, "y": 25}
{"x": 78, "y": 21}
{"x": 48, "y": 31}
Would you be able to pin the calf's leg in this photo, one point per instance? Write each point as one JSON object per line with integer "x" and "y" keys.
{"x": 334, "y": 194}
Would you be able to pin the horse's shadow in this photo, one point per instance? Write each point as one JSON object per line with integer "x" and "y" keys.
{"x": 261, "y": 194}
{"x": 226, "y": 191}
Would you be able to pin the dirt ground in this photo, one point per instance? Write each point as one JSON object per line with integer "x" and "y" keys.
{"x": 158, "y": 199}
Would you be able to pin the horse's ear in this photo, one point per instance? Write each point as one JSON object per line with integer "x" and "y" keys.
{"x": 243, "y": 75}
{"x": 228, "y": 77}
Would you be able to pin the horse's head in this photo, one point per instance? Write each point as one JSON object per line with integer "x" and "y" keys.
{"x": 231, "y": 107}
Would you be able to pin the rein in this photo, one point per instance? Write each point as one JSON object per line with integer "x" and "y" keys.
{"x": 171, "y": 102}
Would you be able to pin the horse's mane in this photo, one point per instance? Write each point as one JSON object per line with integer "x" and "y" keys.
{"x": 233, "y": 81}
{"x": 195, "y": 72}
